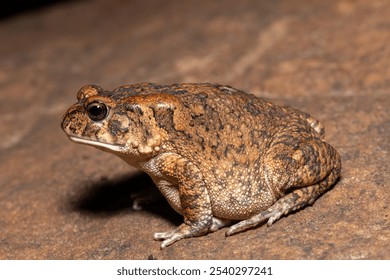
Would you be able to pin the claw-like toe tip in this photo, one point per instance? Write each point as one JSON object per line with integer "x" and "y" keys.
{"x": 157, "y": 236}
{"x": 230, "y": 232}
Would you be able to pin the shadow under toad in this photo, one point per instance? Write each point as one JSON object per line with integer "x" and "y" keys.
{"x": 111, "y": 197}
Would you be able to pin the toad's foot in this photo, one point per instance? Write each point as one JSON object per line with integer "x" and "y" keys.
{"x": 169, "y": 237}
{"x": 219, "y": 223}
{"x": 182, "y": 231}
{"x": 185, "y": 231}
{"x": 272, "y": 216}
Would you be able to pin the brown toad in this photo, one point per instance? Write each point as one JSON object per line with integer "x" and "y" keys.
{"x": 217, "y": 154}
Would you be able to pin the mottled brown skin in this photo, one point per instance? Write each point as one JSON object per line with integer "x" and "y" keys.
{"x": 217, "y": 154}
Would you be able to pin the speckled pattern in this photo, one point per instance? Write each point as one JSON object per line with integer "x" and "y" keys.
{"x": 216, "y": 153}
{"x": 61, "y": 200}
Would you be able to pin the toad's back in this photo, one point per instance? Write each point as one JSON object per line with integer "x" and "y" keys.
{"x": 228, "y": 135}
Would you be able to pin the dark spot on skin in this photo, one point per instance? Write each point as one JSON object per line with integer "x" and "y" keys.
{"x": 90, "y": 130}
{"x": 115, "y": 128}
{"x": 133, "y": 108}
{"x": 251, "y": 108}
{"x": 138, "y": 110}
{"x": 241, "y": 149}
{"x": 180, "y": 92}
{"x": 227, "y": 148}
{"x": 147, "y": 132}
{"x": 200, "y": 139}
{"x": 164, "y": 117}
{"x": 202, "y": 95}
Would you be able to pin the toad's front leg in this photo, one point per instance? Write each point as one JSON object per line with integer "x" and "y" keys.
{"x": 190, "y": 199}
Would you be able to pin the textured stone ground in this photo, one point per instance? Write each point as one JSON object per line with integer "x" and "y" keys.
{"x": 59, "y": 200}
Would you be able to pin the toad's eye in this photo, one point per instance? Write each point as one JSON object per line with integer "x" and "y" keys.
{"x": 97, "y": 111}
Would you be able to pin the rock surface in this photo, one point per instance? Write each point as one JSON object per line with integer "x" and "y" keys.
{"x": 60, "y": 200}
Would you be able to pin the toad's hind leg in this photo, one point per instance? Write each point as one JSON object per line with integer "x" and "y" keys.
{"x": 291, "y": 202}
{"x": 299, "y": 196}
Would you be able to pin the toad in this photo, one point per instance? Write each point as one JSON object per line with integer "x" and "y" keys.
{"x": 220, "y": 156}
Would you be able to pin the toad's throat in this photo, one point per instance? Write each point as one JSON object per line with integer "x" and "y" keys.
{"x": 101, "y": 145}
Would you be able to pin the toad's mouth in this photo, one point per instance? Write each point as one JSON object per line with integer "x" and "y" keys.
{"x": 97, "y": 144}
